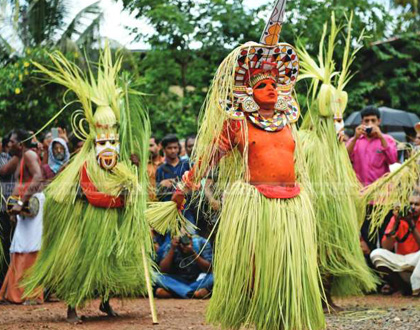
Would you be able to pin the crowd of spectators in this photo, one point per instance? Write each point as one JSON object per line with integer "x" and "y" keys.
{"x": 185, "y": 262}
{"x": 27, "y": 166}
{"x": 394, "y": 252}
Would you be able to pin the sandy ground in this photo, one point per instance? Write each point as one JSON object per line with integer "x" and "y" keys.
{"x": 370, "y": 312}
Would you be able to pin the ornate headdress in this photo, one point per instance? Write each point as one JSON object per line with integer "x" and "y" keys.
{"x": 269, "y": 59}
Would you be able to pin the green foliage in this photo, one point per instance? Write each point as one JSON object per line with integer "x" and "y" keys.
{"x": 25, "y": 100}
{"x": 29, "y": 29}
{"x": 389, "y": 75}
{"x": 192, "y": 37}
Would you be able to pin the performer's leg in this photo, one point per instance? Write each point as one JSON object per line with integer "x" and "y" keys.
{"x": 329, "y": 306}
{"x": 72, "y": 316}
{"x": 106, "y": 308}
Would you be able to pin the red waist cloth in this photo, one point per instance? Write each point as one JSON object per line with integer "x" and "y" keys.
{"x": 279, "y": 192}
{"x": 95, "y": 197}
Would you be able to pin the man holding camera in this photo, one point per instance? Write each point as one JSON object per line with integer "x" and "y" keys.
{"x": 403, "y": 235}
{"x": 371, "y": 151}
{"x": 186, "y": 268}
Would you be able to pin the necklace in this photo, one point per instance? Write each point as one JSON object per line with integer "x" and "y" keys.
{"x": 273, "y": 124}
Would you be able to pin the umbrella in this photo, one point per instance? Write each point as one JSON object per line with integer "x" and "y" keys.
{"x": 389, "y": 117}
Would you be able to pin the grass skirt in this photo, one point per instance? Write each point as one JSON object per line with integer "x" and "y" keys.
{"x": 265, "y": 266}
{"x": 89, "y": 252}
{"x": 339, "y": 212}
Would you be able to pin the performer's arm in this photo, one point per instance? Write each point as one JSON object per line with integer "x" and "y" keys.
{"x": 221, "y": 146}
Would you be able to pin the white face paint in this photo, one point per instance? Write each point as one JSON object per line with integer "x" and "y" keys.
{"x": 338, "y": 124}
{"x": 107, "y": 149}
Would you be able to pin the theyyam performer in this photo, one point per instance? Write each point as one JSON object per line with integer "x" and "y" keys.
{"x": 265, "y": 268}
{"x": 96, "y": 241}
{"x": 338, "y": 202}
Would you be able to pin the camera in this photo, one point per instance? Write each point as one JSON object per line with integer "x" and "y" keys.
{"x": 185, "y": 240}
{"x": 368, "y": 130}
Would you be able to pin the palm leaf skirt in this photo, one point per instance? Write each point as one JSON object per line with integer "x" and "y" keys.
{"x": 265, "y": 267}
{"x": 89, "y": 252}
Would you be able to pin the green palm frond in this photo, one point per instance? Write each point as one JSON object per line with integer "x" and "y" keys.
{"x": 76, "y": 28}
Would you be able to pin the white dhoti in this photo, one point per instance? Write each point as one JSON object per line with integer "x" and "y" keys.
{"x": 399, "y": 263}
{"x": 24, "y": 251}
{"x": 28, "y": 233}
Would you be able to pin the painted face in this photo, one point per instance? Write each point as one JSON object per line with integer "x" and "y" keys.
{"x": 107, "y": 148}
{"x": 265, "y": 94}
{"x": 338, "y": 124}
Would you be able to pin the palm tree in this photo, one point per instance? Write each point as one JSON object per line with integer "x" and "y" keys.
{"x": 46, "y": 23}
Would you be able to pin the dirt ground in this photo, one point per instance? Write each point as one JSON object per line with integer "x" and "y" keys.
{"x": 370, "y": 312}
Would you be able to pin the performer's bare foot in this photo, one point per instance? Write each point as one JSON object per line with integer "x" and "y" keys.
{"x": 106, "y": 308}
{"x": 329, "y": 307}
{"x": 5, "y": 302}
{"x": 201, "y": 293}
{"x": 162, "y": 293}
{"x": 72, "y": 316}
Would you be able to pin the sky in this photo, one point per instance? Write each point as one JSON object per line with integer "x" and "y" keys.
{"x": 115, "y": 19}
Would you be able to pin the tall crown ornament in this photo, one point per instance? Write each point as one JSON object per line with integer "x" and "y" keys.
{"x": 267, "y": 59}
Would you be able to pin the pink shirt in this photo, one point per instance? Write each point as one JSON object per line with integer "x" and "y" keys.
{"x": 371, "y": 160}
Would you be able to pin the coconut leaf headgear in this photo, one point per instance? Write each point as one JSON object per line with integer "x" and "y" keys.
{"x": 99, "y": 96}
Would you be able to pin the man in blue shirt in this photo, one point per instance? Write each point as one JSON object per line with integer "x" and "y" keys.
{"x": 186, "y": 268}
{"x": 167, "y": 176}
{"x": 171, "y": 171}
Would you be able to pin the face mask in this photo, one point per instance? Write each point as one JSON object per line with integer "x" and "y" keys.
{"x": 338, "y": 125}
{"x": 107, "y": 149}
